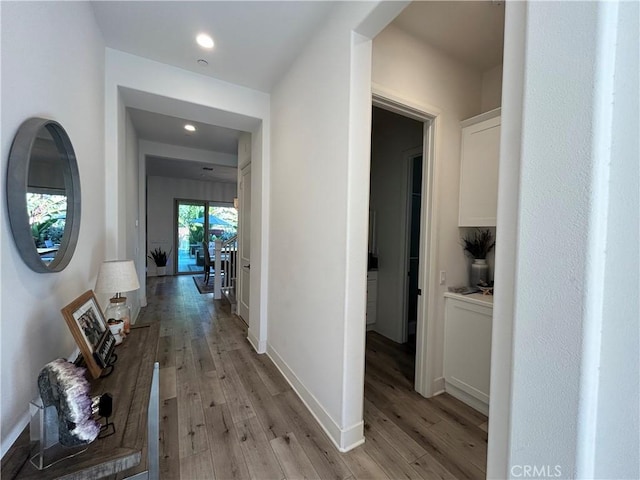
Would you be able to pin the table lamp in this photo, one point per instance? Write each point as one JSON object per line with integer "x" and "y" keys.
{"x": 118, "y": 276}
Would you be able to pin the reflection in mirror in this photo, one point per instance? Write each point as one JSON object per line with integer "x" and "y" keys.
{"x": 43, "y": 195}
{"x": 46, "y": 195}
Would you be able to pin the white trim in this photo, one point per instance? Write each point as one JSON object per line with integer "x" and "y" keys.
{"x": 427, "y": 276}
{"x": 467, "y": 394}
{"x": 344, "y": 439}
{"x": 604, "y": 102}
{"x": 396, "y": 102}
{"x": 468, "y": 389}
{"x": 15, "y": 432}
{"x": 481, "y": 118}
{"x": 476, "y": 299}
{"x": 352, "y": 437}
{"x": 425, "y": 334}
{"x": 438, "y": 386}
{"x": 499, "y": 448}
{"x": 260, "y": 346}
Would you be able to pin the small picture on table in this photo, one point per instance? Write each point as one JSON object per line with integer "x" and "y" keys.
{"x": 90, "y": 331}
{"x": 91, "y": 328}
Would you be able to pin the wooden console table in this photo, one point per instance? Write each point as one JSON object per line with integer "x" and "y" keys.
{"x": 135, "y": 390}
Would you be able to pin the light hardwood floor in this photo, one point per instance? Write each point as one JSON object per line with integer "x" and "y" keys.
{"x": 227, "y": 413}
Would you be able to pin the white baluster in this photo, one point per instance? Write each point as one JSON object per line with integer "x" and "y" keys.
{"x": 217, "y": 265}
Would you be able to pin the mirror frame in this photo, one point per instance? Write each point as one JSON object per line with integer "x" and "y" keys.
{"x": 16, "y": 187}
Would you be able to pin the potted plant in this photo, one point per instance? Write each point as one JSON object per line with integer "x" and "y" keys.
{"x": 160, "y": 258}
{"x": 477, "y": 244}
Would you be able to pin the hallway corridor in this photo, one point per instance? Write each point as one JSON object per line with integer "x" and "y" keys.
{"x": 226, "y": 412}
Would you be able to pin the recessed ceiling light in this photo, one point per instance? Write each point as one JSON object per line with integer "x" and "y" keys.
{"x": 204, "y": 40}
{"x": 202, "y": 62}
{"x": 189, "y": 128}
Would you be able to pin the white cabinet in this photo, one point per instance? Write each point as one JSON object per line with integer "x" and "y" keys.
{"x": 467, "y": 348}
{"x": 480, "y": 152}
{"x": 372, "y": 297}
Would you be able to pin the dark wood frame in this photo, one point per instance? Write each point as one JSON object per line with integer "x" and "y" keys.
{"x": 97, "y": 350}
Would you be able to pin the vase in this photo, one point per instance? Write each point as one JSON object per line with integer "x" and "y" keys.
{"x": 161, "y": 271}
{"x": 479, "y": 272}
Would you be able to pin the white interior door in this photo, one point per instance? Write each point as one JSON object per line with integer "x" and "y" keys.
{"x": 244, "y": 244}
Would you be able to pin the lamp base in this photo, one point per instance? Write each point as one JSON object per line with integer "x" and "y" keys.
{"x": 118, "y": 311}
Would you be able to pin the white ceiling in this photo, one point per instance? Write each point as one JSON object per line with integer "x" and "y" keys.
{"x": 256, "y": 41}
{"x": 470, "y": 31}
{"x": 169, "y": 167}
{"x": 166, "y": 129}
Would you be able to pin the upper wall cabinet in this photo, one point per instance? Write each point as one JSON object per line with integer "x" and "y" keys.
{"x": 480, "y": 152}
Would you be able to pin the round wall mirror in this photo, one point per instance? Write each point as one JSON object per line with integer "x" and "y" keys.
{"x": 43, "y": 195}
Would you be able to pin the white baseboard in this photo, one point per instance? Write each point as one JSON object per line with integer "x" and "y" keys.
{"x": 352, "y": 437}
{"x": 134, "y": 314}
{"x": 344, "y": 439}
{"x": 438, "y": 386}
{"x": 14, "y": 433}
{"x": 259, "y": 346}
{"x": 465, "y": 397}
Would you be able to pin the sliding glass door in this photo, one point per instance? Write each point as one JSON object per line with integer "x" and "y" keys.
{"x": 220, "y": 223}
{"x": 190, "y": 230}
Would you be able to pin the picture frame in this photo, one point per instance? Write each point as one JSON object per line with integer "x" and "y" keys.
{"x": 89, "y": 328}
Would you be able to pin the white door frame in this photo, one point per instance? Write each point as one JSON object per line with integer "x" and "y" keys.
{"x": 426, "y": 382}
{"x": 242, "y": 285}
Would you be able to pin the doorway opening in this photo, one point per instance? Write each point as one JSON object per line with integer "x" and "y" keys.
{"x": 403, "y": 190}
{"x": 194, "y": 231}
{"x": 413, "y": 238}
{"x": 400, "y": 192}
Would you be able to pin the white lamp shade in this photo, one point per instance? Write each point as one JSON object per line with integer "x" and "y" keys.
{"x": 117, "y": 276}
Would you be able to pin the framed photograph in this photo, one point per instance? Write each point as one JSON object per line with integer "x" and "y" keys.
{"x": 90, "y": 331}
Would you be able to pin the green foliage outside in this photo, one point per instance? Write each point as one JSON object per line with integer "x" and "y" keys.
{"x": 196, "y": 234}
{"x": 187, "y": 213}
{"x": 47, "y": 217}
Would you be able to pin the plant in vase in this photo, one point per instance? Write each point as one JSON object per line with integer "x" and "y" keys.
{"x": 160, "y": 258}
{"x": 477, "y": 244}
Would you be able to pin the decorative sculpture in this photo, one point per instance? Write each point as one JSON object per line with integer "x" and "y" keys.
{"x": 64, "y": 385}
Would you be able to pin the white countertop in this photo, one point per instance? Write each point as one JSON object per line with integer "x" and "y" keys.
{"x": 475, "y": 298}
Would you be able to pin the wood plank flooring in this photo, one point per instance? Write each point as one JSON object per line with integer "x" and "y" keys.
{"x": 227, "y": 413}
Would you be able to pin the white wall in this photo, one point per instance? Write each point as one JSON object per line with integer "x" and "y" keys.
{"x": 320, "y": 167}
{"x": 131, "y": 228}
{"x": 415, "y": 71}
{"x": 132, "y": 81}
{"x": 573, "y": 361}
{"x": 617, "y": 443}
{"x": 52, "y": 66}
{"x": 491, "y": 88}
{"x": 308, "y": 220}
{"x": 392, "y": 136}
{"x": 162, "y": 193}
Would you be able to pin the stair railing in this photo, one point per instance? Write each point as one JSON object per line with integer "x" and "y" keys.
{"x": 226, "y": 266}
